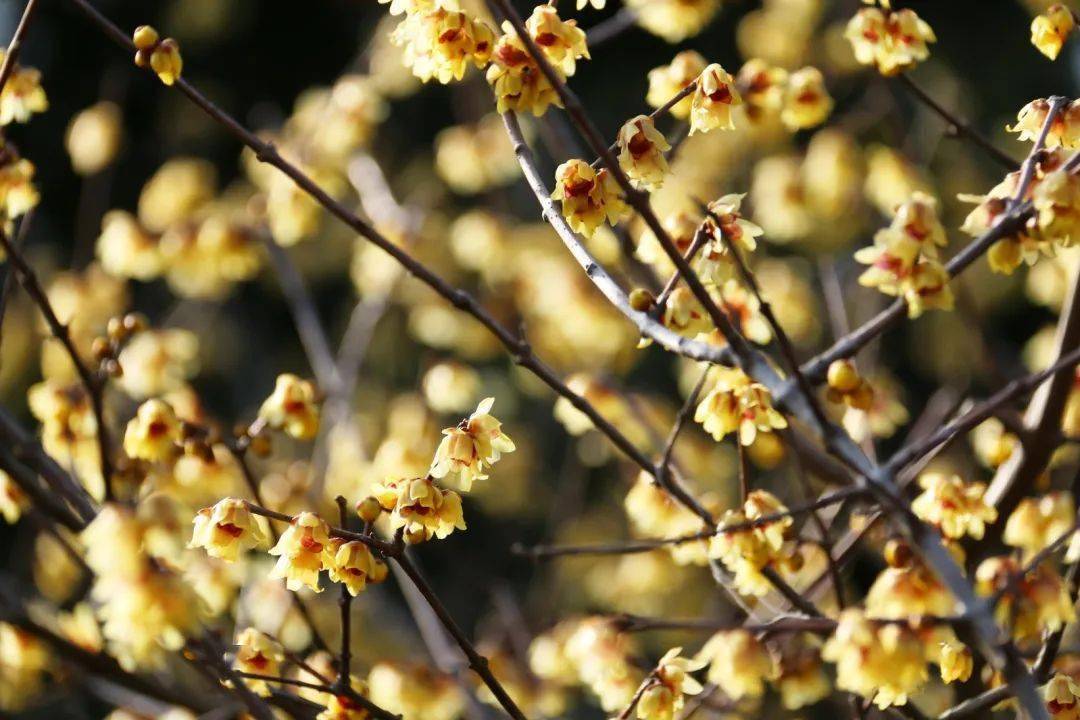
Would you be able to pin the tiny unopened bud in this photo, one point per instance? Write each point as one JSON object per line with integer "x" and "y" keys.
{"x": 379, "y": 571}
{"x": 641, "y": 299}
{"x": 898, "y": 553}
{"x": 369, "y": 509}
{"x": 100, "y": 348}
{"x": 145, "y": 37}
{"x": 115, "y": 329}
{"x": 112, "y": 368}
{"x": 135, "y": 322}
{"x": 843, "y": 377}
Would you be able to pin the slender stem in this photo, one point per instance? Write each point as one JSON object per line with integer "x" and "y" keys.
{"x": 477, "y": 662}
{"x": 345, "y": 603}
{"x": 11, "y": 56}
{"x": 957, "y": 126}
{"x": 91, "y": 382}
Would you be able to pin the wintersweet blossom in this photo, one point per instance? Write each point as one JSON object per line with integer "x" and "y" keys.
{"x": 1062, "y": 695}
{"x": 440, "y": 43}
{"x": 292, "y": 407}
{"x": 737, "y": 404}
{"x": 882, "y": 662}
{"x": 22, "y": 95}
{"x": 258, "y": 654}
{"x": 668, "y": 687}
{"x": 1051, "y": 29}
{"x": 893, "y": 40}
{"x": 641, "y": 152}
{"x": 353, "y": 564}
{"x": 225, "y": 529}
{"x": 764, "y": 89}
{"x": 302, "y": 552}
{"x": 746, "y": 551}
{"x": 714, "y": 100}
{"x": 1064, "y": 131}
{"x": 154, "y": 433}
{"x": 738, "y": 663}
{"x": 13, "y": 501}
{"x": 667, "y": 81}
{"x": 561, "y": 41}
{"x": 674, "y": 20}
{"x": 589, "y": 197}
{"x": 1039, "y": 521}
{"x": 516, "y": 79}
{"x": 420, "y": 508}
{"x": 467, "y": 447}
{"x": 1032, "y": 602}
{"x": 806, "y": 101}
{"x": 955, "y": 507}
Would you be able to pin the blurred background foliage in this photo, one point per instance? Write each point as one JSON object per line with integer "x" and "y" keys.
{"x": 256, "y": 58}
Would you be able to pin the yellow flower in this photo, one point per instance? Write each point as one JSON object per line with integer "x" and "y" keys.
{"x": 588, "y": 197}
{"x": 1057, "y": 204}
{"x": 415, "y": 691}
{"x": 421, "y": 508}
{"x": 738, "y": 663}
{"x": 561, "y": 41}
{"x": 450, "y": 387}
{"x": 882, "y": 662}
{"x": 747, "y": 551}
{"x": 1050, "y": 30}
{"x": 17, "y": 192}
{"x": 802, "y": 680}
{"x": 736, "y": 403}
{"x": 93, "y": 137}
{"x": 953, "y": 506}
{"x": 125, "y": 249}
{"x": 353, "y": 564}
{"x": 654, "y": 512}
{"x": 955, "y": 662}
{"x": 516, "y": 79}
{"x": 713, "y": 101}
{"x": 154, "y": 432}
{"x": 1064, "y": 131}
{"x": 807, "y": 102}
{"x": 157, "y": 362}
{"x": 641, "y": 152}
{"x": 301, "y": 552}
{"x": 667, "y": 81}
{"x": 440, "y": 43}
{"x": 1039, "y": 521}
{"x": 665, "y": 693}
{"x": 743, "y": 307}
{"x": 903, "y": 259}
{"x": 258, "y": 654}
{"x": 894, "y": 40}
{"x": 911, "y": 590}
{"x": 292, "y": 407}
{"x": 225, "y": 529}
{"x": 1062, "y": 695}
{"x": 607, "y": 401}
{"x": 1032, "y": 603}
{"x": 466, "y": 447}
{"x": 22, "y": 96}
{"x": 674, "y": 20}
{"x": 12, "y": 499}
{"x": 763, "y": 88}
{"x": 993, "y": 444}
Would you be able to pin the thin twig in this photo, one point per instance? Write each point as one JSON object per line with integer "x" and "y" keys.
{"x": 11, "y": 55}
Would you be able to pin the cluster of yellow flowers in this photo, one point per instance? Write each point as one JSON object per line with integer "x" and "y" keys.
{"x": 23, "y": 95}
{"x": 904, "y": 258}
{"x": 747, "y": 551}
{"x": 893, "y": 40}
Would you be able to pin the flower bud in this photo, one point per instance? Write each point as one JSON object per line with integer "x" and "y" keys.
{"x": 641, "y": 299}
{"x": 145, "y": 37}
{"x": 843, "y": 377}
{"x": 369, "y": 509}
